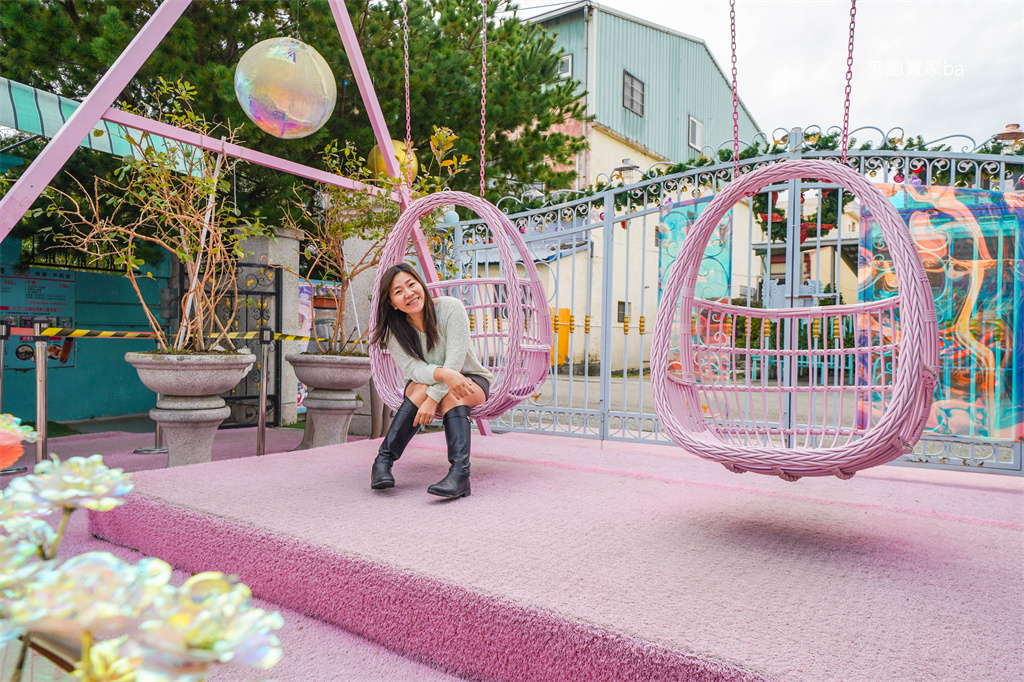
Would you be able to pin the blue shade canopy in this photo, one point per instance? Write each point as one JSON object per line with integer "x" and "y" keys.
{"x": 35, "y": 111}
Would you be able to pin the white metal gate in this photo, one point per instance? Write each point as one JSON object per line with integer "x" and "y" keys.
{"x": 798, "y": 243}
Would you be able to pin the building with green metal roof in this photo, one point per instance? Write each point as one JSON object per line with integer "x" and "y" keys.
{"x": 656, "y": 94}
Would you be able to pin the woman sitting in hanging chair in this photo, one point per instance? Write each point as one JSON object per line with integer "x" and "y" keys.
{"x": 430, "y": 342}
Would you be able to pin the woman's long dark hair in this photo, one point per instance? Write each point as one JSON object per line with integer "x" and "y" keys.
{"x": 391, "y": 321}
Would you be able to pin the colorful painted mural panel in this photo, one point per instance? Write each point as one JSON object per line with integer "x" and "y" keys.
{"x": 972, "y": 245}
{"x": 714, "y": 280}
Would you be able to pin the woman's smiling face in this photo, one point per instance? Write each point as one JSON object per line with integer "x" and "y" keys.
{"x": 407, "y": 294}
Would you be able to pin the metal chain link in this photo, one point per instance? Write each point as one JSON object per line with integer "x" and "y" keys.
{"x": 735, "y": 95}
{"x": 849, "y": 80}
{"x": 408, "y": 116}
{"x": 483, "y": 95}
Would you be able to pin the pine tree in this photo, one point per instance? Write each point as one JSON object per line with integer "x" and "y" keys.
{"x": 64, "y": 46}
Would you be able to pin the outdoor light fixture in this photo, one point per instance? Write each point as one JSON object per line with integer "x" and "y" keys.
{"x": 532, "y": 193}
{"x": 1011, "y": 133}
{"x": 625, "y": 171}
{"x": 1010, "y": 138}
{"x": 451, "y": 217}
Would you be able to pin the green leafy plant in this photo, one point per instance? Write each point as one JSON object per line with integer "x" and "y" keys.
{"x": 827, "y": 212}
{"x": 173, "y": 198}
{"x": 333, "y": 217}
{"x": 528, "y": 100}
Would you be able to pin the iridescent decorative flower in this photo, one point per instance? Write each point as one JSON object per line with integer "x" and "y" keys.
{"x": 94, "y": 592}
{"x": 113, "y": 660}
{"x": 12, "y": 433}
{"x": 154, "y": 665}
{"x": 36, "y": 531}
{"x": 77, "y": 482}
{"x": 20, "y": 563}
{"x": 209, "y": 620}
{"x": 8, "y": 632}
{"x": 13, "y": 506}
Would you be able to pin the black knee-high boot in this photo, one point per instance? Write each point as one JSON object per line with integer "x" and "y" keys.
{"x": 456, "y": 433}
{"x": 397, "y": 438}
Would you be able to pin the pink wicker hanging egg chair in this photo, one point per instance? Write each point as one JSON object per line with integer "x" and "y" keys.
{"x": 717, "y": 399}
{"x": 509, "y": 319}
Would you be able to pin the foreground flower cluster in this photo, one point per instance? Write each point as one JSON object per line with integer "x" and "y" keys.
{"x": 12, "y": 435}
{"x": 127, "y": 621}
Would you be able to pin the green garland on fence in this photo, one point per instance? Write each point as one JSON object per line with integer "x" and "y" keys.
{"x": 813, "y": 141}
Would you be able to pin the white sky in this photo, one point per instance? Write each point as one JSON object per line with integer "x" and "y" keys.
{"x": 932, "y": 67}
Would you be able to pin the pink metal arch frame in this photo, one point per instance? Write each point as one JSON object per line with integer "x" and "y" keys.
{"x": 510, "y": 323}
{"x": 96, "y": 106}
{"x": 707, "y": 411}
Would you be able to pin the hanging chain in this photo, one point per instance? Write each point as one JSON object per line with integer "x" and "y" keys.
{"x": 483, "y": 95}
{"x": 408, "y": 119}
{"x": 735, "y": 95}
{"x": 849, "y": 80}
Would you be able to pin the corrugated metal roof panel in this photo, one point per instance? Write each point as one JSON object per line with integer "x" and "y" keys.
{"x": 681, "y": 79}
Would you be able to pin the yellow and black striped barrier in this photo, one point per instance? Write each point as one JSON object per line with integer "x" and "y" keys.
{"x": 95, "y": 334}
{"x": 277, "y": 337}
{"x": 90, "y": 333}
{"x": 562, "y": 323}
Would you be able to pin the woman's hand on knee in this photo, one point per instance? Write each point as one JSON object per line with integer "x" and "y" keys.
{"x": 472, "y": 398}
{"x": 459, "y": 385}
{"x": 426, "y": 412}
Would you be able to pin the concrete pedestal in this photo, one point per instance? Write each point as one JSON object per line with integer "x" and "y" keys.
{"x": 189, "y": 425}
{"x": 190, "y": 409}
{"x": 332, "y": 381}
{"x": 328, "y": 417}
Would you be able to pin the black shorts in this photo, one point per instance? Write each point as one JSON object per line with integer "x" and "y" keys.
{"x": 484, "y": 384}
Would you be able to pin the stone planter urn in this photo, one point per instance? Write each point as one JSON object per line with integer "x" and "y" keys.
{"x": 331, "y": 400}
{"x": 190, "y": 407}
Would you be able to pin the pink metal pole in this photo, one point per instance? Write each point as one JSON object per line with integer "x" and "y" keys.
{"x": 170, "y": 132}
{"x": 31, "y": 184}
{"x": 380, "y": 131}
{"x": 377, "y": 122}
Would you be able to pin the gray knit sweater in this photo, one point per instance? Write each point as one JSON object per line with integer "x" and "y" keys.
{"x": 453, "y": 350}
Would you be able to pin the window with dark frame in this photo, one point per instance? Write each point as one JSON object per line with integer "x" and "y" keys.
{"x": 564, "y": 68}
{"x": 696, "y": 134}
{"x": 623, "y": 310}
{"x": 632, "y": 93}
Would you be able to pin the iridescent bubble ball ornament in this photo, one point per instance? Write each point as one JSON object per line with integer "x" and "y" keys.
{"x": 375, "y": 162}
{"x": 285, "y": 87}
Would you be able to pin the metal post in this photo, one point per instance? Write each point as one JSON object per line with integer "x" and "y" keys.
{"x": 794, "y": 271}
{"x": 38, "y": 325}
{"x": 607, "y": 311}
{"x": 266, "y": 338}
{"x": 5, "y": 332}
{"x": 159, "y": 448}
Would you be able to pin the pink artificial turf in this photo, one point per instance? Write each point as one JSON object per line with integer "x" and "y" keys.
{"x": 570, "y": 561}
{"x": 313, "y": 649}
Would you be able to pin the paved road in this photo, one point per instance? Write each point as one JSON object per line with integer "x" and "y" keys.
{"x": 577, "y": 400}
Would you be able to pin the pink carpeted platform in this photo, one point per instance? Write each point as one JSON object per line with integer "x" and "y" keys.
{"x": 118, "y": 447}
{"x": 634, "y": 562}
{"x": 313, "y": 650}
